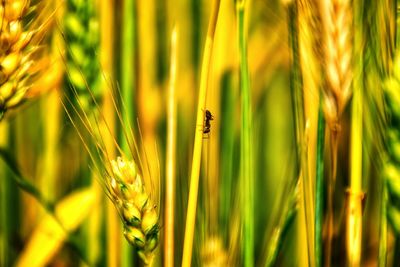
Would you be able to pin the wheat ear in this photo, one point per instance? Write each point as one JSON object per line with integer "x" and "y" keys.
{"x": 19, "y": 48}
{"x": 337, "y": 20}
{"x": 139, "y": 215}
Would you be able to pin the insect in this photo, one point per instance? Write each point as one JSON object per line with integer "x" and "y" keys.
{"x": 207, "y": 125}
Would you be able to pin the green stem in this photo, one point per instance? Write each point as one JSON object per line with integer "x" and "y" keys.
{"x": 319, "y": 196}
{"x": 128, "y": 66}
{"x": 246, "y": 135}
{"x": 227, "y": 141}
{"x": 127, "y": 91}
{"x": 279, "y": 237}
{"x": 23, "y": 183}
{"x": 279, "y": 234}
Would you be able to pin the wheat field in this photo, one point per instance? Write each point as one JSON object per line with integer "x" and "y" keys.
{"x": 200, "y": 133}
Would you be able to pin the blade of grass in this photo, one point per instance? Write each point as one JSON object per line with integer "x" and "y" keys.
{"x": 51, "y": 232}
{"x": 198, "y": 141}
{"x": 24, "y": 183}
{"x": 246, "y": 139}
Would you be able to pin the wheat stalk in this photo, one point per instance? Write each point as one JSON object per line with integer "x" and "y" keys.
{"x": 170, "y": 175}
{"x": 310, "y": 53}
{"x": 337, "y": 44}
{"x": 337, "y": 39}
{"x": 198, "y": 141}
{"x": 246, "y": 133}
{"x": 355, "y": 193}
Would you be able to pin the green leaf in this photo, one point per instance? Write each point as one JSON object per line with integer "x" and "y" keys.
{"x": 23, "y": 183}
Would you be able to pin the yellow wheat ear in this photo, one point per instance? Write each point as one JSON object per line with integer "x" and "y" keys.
{"x": 138, "y": 213}
{"x": 20, "y": 47}
{"x": 123, "y": 178}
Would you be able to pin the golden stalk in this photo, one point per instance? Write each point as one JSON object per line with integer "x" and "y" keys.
{"x": 4, "y": 250}
{"x": 106, "y": 57}
{"x": 198, "y": 141}
{"x": 309, "y": 22}
{"x": 52, "y": 115}
{"x": 355, "y": 193}
{"x": 149, "y": 101}
{"x": 171, "y": 151}
{"x": 337, "y": 38}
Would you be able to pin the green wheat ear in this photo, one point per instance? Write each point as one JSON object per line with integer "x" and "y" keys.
{"x": 391, "y": 172}
{"x": 82, "y": 35}
{"x": 390, "y": 208}
{"x": 138, "y": 213}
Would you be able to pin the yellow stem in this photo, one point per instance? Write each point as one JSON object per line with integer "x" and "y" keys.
{"x": 107, "y": 29}
{"x": 51, "y": 115}
{"x": 171, "y": 145}
{"x": 5, "y": 206}
{"x": 355, "y": 194}
{"x": 198, "y": 140}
